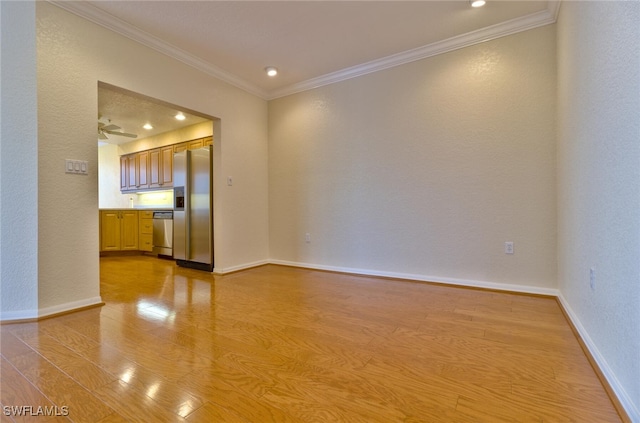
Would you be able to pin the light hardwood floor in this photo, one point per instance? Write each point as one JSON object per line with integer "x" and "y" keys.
{"x": 279, "y": 344}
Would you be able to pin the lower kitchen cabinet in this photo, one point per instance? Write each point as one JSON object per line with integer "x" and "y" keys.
{"x": 119, "y": 230}
{"x": 145, "y": 226}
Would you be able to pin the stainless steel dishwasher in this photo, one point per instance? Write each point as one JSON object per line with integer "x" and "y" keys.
{"x": 163, "y": 233}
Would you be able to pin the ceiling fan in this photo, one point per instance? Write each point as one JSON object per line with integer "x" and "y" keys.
{"x": 104, "y": 130}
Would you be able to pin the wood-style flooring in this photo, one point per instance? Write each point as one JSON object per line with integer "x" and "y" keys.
{"x": 280, "y": 344}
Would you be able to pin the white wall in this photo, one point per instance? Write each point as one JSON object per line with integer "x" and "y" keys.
{"x": 70, "y": 62}
{"x": 18, "y": 162}
{"x": 109, "y": 195}
{"x": 424, "y": 170}
{"x": 599, "y": 183}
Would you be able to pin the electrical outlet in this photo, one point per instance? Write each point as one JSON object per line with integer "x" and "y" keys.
{"x": 508, "y": 247}
{"x": 307, "y": 237}
{"x": 229, "y": 181}
{"x": 592, "y": 279}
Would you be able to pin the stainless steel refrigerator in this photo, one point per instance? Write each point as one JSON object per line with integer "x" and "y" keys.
{"x": 193, "y": 208}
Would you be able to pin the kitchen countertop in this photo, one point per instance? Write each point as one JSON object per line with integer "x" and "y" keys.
{"x": 138, "y": 208}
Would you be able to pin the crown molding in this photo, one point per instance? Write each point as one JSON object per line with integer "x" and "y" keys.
{"x": 513, "y": 26}
{"x": 97, "y": 16}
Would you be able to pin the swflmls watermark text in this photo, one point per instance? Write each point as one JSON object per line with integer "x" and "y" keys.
{"x": 30, "y": 410}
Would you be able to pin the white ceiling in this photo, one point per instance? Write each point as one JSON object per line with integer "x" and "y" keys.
{"x": 130, "y": 111}
{"x": 312, "y": 43}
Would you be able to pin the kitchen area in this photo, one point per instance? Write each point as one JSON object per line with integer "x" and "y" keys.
{"x": 154, "y": 174}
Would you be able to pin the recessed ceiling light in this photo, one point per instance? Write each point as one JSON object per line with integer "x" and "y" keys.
{"x": 477, "y": 3}
{"x": 147, "y": 126}
{"x": 180, "y": 116}
{"x": 271, "y": 71}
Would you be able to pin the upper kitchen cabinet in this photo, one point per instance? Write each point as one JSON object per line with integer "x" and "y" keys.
{"x": 128, "y": 171}
{"x": 193, "y": 144}
{"x": 124, "y": 173}
{"x": 143, "y": 170}
{"x": 134, "y": 171}
{"x": 153, "y": 169}
{"x": 161, "y": 167}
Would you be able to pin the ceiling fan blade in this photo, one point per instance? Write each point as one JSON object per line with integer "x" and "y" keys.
{"x": 111, "y": 127}
{"x": 102, "y": 136}
{"x": 120, "y": 134}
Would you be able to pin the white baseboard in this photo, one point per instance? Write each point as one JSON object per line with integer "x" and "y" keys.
{"x": 9, "y": 316}
{"x": 225, "y": 270}
{"x": 628, "y": 405}
{"x": 526, "y": 289}
{"x": 67, "y": 307}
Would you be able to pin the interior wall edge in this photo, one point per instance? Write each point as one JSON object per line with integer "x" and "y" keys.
{"x": 605, "y": 370}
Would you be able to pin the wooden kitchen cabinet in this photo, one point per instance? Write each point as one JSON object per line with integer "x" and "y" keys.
{"x": 153, "y": 169}
{"x": 161, "y": 167}
{"x": 142, "y": 170}
{"x": 166, "y": 166}
{"x": 134, "y": 171}
{"x": 145, "y": 227}
{"x": 129, "y": 230}
{"x": 124, "y": 173}
{"x": 118, "y": 230}
{"x": 129, "y": 172}
{"x": 110, "y": 232}
{"x": 193, "y": 144}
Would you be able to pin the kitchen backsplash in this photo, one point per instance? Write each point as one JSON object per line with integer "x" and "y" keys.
{"x": 162, "y": 199}
{"x": 147, "y": 200}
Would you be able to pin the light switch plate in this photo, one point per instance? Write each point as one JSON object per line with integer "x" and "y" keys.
{"x": 77, "y": 167}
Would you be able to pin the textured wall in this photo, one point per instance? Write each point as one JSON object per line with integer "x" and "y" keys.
{"x": 599, "y": 179}
{"x": 18, "y": 162}
{"x": 73, "y": 55}
{"x": 424, "y": 169}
